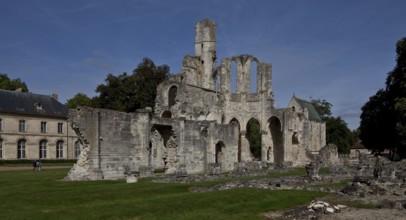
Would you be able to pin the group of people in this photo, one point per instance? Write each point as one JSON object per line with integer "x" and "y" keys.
{"x": 36, "y": 164}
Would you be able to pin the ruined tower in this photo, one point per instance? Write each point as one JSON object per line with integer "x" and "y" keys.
{"x": 205, "y": 48}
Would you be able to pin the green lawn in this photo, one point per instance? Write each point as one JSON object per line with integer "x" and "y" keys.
{"x": 42, "y": 195}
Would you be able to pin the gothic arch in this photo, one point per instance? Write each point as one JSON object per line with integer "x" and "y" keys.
{"x": 172, "y": 92}
{"x": 275, "y": 127}
{"x": 220, "y": 151}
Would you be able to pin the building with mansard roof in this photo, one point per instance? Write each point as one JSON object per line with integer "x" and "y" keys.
{"x": 34, "y": 126}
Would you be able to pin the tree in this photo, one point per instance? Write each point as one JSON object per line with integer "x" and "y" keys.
{"x": 130, "y": 92}
{"x": 12, "y": 84}
{"x": 80, "y": 99}
{"x": 254, "y": 137}
{"x": 118, "y": 93}
{"x": 147, "y": 77}
{"x": 337, "y": 131}
{"x": 383, "y": 118}
{"x": 377, "y": 131}
{"x": 322, "y": 107}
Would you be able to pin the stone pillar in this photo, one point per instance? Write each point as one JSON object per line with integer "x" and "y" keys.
{"x": 245, "y": 148}
{"x": 267, "y": 68}
{"x": 225, "y": 75}
{"x": 266, "y": 148}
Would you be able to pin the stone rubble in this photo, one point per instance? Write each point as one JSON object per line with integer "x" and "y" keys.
{"x": 325, "y": 207}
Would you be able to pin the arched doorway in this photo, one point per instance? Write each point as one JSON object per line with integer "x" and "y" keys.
{"x": 166, "y": 114}
{"x": 235, "y": 121}
{"x": 220, "y": 150}
{"x": 253, "y": 136}
{"x": 277, "y": 139}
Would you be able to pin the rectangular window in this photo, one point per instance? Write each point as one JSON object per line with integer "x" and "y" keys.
{"x": 21, "y": 149}
{"x": 43, "y": 149}
{"x": 60, "y": 128}
{"x": 1, "y": 124}
{"x": 21, "y": 126}
{"x": 59, "y": 149}
{"x": 43, "y": 127}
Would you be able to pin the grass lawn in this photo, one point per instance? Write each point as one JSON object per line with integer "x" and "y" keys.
{"x": 42, "y": 195}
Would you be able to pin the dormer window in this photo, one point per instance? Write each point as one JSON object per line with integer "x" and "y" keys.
{"x": 39, "y": 106}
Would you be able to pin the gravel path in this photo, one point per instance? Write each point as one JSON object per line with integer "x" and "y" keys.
{"x": 8, "y": 168}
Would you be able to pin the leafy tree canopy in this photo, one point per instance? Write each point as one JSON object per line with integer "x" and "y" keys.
{"x": 12, "y": 84}
{"x": 80, "y": 99}
{"x": 338, "y": 133}
{"x": 322, "y": 107}
{"x": 130, "y": 92}
{"x": 383, "y": 118}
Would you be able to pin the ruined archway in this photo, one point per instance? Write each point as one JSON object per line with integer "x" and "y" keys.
{"x": 166, "y": 114}
{"x": 158, "y": 146}
{"x": 253, "y": 136}
{"x": 220, "y": 150}
{"x": 173, "y": 91}
{"x": 275, "y": 128}
{"x": 235, "y": 121}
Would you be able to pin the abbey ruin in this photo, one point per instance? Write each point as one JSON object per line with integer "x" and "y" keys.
{"x": 199, "y": 125}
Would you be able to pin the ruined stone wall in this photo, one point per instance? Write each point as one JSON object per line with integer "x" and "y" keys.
{"x": 191, "y": 102}
{"x": 191, "y": 144}
{"x": 113, "y": 140}
{"x": 303, "y": 136}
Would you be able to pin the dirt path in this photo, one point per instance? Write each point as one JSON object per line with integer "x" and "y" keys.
{"x": 10, "y": 168}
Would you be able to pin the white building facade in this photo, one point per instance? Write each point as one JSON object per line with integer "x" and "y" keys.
{"x": 35, "y": 127}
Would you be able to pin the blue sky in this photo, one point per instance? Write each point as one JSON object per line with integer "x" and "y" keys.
{"x": 340, "y": 51}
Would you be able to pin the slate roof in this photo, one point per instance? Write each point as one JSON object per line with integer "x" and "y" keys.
{"x": 313, "y": 115}
{"x": 31, "y": 104}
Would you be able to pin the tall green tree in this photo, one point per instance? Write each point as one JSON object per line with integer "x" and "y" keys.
{"x": 12, "y": 84}
{"x": 147, "y": 77}
{"x": 339, "y": 134}
{"x": 130, "y": 92}
{"x": 322, "y": 107}
{"x": 337, "y": 131}
{"x": 80, "y": 99}
{"x": 383, "y": 118}
{"x": 117, "y": 94}
{"x": 254, "y": 137}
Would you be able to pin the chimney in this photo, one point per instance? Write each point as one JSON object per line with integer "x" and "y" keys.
{"x": 54, "y": 95}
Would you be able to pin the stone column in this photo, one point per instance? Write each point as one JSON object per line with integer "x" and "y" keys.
{"x": 245, "y": 148}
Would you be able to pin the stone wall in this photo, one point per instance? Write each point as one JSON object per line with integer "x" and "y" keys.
{"x": 112, "y": 140}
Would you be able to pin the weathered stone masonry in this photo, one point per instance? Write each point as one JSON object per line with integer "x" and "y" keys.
{"x": 199, "y": 124}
